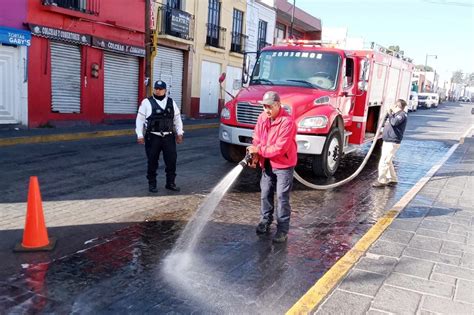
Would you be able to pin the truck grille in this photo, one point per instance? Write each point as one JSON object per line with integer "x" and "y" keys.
{"x": 248, "y": 113}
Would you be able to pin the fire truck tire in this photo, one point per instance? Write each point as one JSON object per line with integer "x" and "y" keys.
{"x": 327, "y": 162}
{"x": 231, "y": 152}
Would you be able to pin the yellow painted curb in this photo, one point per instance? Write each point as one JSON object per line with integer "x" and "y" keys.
{"x": 85, "y": 135}
{"x": 321, "y": 289}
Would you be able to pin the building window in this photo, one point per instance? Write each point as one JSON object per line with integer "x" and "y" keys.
{"x": 297, "y": 34}
{"x": 85, "y": 6}
{"x": 213, "y": 23}
{"x": 237, "y": 29}
{"x": 174, "y": 4}
{"x": 280, "y": 32}
{"x": 262, "y": 34}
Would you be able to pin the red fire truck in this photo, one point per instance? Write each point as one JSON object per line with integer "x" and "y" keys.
{"x": 334, "y": 95}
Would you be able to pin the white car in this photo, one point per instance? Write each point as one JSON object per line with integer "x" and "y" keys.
{"x": 413, "y": 102}
{"x": 428, "y": 100}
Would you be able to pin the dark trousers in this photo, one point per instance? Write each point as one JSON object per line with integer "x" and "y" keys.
{"x": 154, "y": 145}
{"x": 279, "y": 181}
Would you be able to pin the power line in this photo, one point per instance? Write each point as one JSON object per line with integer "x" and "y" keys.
{"x": 451, "y": 3}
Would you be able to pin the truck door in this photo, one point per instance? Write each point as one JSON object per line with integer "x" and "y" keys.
{"x": 347, "y": 97}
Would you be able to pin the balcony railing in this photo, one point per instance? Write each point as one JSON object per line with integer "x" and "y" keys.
{"x": 84, "y": 6}
{"x": 215, "y": 36}
{"x": 238, "y": 42}
{"x": 175, "y": 22}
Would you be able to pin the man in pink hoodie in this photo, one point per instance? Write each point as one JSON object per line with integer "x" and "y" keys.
{"x": 274, "y": 140}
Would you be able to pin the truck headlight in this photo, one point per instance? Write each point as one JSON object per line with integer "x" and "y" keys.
{"x": 314, "y": 122}
{"x": 225, "y": 113}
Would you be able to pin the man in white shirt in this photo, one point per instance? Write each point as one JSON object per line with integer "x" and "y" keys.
{"x": 159, "y": 117}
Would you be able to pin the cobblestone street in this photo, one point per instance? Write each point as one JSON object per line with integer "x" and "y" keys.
{"x": 108, "y": 260}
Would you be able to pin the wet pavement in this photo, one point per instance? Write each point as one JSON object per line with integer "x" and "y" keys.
{"x": 233, "y": 270}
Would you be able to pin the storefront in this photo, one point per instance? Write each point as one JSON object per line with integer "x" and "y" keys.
{"x": 83, "y": 79}
{"x": 121, "y": 75}
{"x": 13, "y": 76}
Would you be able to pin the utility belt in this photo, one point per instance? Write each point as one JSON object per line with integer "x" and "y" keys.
{"x": 160, "y": 133}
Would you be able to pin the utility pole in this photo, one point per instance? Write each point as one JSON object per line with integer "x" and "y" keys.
{"x": 148, "y": 48}
{"x": 426, "y": 65}
{"x": 292, "y": 19}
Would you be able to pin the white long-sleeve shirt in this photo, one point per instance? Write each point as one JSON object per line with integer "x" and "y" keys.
{"x": 144, "y": 111}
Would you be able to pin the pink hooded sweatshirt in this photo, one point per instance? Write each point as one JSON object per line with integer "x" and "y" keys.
{"x": 276, "y": 140}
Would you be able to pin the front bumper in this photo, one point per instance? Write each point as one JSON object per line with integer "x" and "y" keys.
{"x": 307, "y": 144}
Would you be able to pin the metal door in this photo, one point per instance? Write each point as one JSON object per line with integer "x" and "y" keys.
{"x": 65, "y": 78}
{"x": 121, "y": 74}
{"x": 9, "y": 93}
{"x": 168, "y": 66}
{"x": 209, "y": 102}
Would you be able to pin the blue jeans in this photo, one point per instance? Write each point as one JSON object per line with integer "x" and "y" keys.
{"x": 281, "y": 181}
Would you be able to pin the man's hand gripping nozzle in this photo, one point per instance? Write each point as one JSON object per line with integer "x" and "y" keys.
{"x": 250, "y": 160}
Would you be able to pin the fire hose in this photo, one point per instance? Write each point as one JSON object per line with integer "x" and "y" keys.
{"x": 248, "y": 159}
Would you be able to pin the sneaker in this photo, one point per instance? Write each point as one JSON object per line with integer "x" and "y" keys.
{"x": 280, "y": 237}
{"x": 263, "y": 228}
{"x": 392, "y": 183}
{"x": 378, "y": 184}
{"x": 152, "y": 188}
{"x": 172, "y": 187}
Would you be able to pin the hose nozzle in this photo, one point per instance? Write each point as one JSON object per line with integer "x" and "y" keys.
{"x": 247, "y": 159}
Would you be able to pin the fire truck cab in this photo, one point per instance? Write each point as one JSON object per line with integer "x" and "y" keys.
{"x": 335, "y": 97}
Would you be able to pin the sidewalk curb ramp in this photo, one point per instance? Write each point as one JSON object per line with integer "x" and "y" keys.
{"x": 85, "y": 135}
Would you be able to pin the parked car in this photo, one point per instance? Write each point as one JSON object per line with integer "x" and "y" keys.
{"x": 464, "y": 99}
{"x": 413, "y": 102}
{"x": 428, "y": 100}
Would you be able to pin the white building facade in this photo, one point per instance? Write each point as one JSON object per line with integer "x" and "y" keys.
{"x": 260, "y": 25}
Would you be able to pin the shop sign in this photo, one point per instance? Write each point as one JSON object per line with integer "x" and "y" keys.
{"x": 118, "y": 47}
{"x": 154, "y": 15}
{"x": 59, "y": 34}
{"x": 12, "y": 36}
{"x": 180, "y": 22}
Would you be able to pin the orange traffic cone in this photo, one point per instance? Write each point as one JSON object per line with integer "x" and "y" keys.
{"x": 35, "y": 235}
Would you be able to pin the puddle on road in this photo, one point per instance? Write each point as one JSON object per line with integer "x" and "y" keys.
{"x": 234, "y": 271}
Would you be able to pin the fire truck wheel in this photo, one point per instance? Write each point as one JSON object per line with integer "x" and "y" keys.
{"x": 231, "y": 152}
{"x": 327, "y": 163}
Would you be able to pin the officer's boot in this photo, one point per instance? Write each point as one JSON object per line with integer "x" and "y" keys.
{"x": 152, "y": 187}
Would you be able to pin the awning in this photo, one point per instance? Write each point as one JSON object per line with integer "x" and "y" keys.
{"x": 60, "y": 34}
{"x": 13, "y": 36}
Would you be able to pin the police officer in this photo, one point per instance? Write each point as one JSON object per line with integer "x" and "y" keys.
{"x": 159, "y": 118}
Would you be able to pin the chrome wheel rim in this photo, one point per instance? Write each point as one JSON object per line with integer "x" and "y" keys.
{"x": 333, "y": 153}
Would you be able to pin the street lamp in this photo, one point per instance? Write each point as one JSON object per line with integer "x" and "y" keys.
{"x": 426, "y": 64}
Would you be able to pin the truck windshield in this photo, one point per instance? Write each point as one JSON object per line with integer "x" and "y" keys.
{"x": 296, "y": 68}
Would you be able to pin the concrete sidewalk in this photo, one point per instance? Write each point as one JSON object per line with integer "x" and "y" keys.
{"x": 37, "y": 135}
{"x": 423, "y": 263}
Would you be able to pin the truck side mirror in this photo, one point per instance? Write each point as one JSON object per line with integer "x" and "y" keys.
{"x": 362, "y": 86}
{"x": 246, "y": 69}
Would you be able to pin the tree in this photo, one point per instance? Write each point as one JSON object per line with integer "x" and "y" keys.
{"x": 458, "y": 77}
{"x": 469, "y": 80}
{"x": 396, "y": 49}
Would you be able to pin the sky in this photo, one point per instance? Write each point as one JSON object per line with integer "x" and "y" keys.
{"x": 444, "y": 28}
